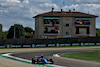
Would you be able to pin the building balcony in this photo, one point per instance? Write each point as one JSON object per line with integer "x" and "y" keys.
{"x": 51, "y": 33}
{"x": 82, "y": 35}
{"x": 51, "y": 25}
{"x": 78, "y": 23}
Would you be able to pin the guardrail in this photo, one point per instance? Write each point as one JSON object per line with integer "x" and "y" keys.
{"x": 4, "y": 42}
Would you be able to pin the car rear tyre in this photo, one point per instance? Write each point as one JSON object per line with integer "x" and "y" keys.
{"x": 33, "y": 60}
{"x": 51, "y": 61}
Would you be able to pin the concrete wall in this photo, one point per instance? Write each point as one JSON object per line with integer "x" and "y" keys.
{"x": 67, "y": 20}
{"x": 41, "y": 27}
{"x": 61, "y": 27}
{"x": 93, "y": 27}
{"x": 36, "y": 27}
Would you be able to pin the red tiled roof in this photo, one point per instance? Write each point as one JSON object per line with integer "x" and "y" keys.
{"x": 64, "y": 13}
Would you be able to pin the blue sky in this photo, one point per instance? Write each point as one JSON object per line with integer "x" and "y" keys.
{"x": 22, "y": 11}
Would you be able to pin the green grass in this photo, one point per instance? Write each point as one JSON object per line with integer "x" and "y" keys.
{"x": 89, "y": 56}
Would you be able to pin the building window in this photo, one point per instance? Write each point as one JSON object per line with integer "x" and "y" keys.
{"x": 82, "y": 30}
{"x": 88, "y": 30}
{"x": 77, "y": 30}
{"x": 46, "y": 30}
{"x": 67, "y": 33}
{"x": 67, "y": 25}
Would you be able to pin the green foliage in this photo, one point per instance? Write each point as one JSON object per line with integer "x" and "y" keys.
{"x": 0, "y": 31}
{"x": 1, "y": 25}
{"x": 4, "y": 34}
{"x": 27, "y": 34}
{"x": 28, "y": 30}
{"x": 19, "y": 31}
{"x": 97, "y": 32}
{"x": 11, "y": 32}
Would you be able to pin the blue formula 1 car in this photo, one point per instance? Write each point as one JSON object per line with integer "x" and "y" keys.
{"x": 41, "y": 60}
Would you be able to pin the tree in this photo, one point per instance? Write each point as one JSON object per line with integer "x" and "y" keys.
{"x": 19, "y": 31}
{"x": 28, "y": 30}
{"x": 97, "y": 32}
{"x": 4, "y": 34}
{"x": 0, "y": 31}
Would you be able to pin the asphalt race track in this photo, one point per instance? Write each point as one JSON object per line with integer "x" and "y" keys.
{"x": 57, "y": 60}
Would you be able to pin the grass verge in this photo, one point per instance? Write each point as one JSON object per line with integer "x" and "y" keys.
{"x": 89, "y": 56}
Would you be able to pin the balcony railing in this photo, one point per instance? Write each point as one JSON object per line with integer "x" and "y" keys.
{"x": 82, "y": 25}
{"x": 82, "y": 34}
{"x": 51, "y": 33}
{"x": 51, "y": 24}
{"x": 78, "y": 23}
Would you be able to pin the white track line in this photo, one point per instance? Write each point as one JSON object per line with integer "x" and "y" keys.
{"x": 54, "y": 65}
{"x": 8, "y": 55}
{"x": 57, "y": 55}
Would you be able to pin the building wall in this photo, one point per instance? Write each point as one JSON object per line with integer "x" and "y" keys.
{"x": 71, "y": 29}
{"x": 36, "y": 27}
{"x": 93, "y": 27}
{"x": 61, "y": 27}
{"x": 41, "y": 27}
{"x": 68, "y": 30}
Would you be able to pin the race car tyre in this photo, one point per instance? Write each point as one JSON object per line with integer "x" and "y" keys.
{"x": 37, "y": 61}
{"x": 33, "y": 60}
{"x": 51, "y": 61}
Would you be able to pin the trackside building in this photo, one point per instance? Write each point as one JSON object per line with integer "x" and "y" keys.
{"x": 62, "y": 24}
